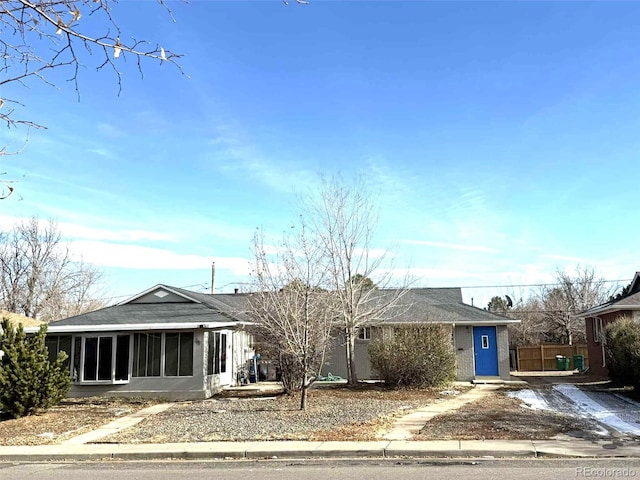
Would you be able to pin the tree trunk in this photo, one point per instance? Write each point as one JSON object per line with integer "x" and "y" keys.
{"x": 303, "y": 393}
{"x": 352, "y": 376}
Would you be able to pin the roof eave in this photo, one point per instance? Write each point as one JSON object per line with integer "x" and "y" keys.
{"x": 129, "y": 327}
{"x": 606, "y": 309}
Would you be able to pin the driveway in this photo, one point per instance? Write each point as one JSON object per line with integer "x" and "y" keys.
{"x": 611, "y": 413}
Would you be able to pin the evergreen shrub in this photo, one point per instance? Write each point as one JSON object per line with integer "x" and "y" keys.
{"x": 29, "y": 382}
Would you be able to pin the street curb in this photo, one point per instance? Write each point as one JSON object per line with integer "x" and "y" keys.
{"x": 477, "y": 449}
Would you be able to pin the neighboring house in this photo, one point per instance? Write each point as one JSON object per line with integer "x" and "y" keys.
{"x": 16, "y": 319}
{"x": 165, "y": 342}
{"x": 598, "y": 317}
{"x": 480, "y": 337}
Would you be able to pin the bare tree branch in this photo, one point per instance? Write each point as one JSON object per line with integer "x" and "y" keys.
{"x": 42, "y": 35}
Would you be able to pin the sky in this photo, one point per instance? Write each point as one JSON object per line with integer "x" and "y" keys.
{"x": 499, "y": 139}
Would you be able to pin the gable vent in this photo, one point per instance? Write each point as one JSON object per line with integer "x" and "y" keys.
{"x": 161, "y": 294}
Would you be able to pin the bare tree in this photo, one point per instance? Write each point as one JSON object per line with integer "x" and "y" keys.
{"x": 291, "y": 308}
{"x": 570, "y": 295}
{"x": 532, "y": 327}
{"x": 344, "y": 220}
{"x": 39, "y": 279}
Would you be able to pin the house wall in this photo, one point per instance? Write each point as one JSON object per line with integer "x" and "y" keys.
{"x": 597, "y": 361}
{"x": 171, "y": 388}
{"x": 157, "y": 297}
{"x": 504, "y": 367}
{"x": 198, "y": 386}
{"x": 336, "y": 358}
{"x": 463, "y": 343}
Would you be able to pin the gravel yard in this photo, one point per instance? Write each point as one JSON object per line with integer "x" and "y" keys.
{"x": 70, "y": 418}
{"x": 332, "y": 414}
{"x": 500, "y": 417}
{"x": 336, "y": 413}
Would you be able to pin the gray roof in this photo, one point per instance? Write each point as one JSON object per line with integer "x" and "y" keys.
{"x": 440, "y": 306}
{"x": 628, "y": 302}
{"x": 146, "y": 313}
{"x": 201, "y": 308}
{"x": 418, "y": 305}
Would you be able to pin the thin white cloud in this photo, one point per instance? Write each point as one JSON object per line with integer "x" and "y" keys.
{"x": 139, "y": 257}
{"x": 75, "y": 231}
{"x": 241, "y": 155}
{"x": 567, "y": 258}
{"x": 451, "y": 246}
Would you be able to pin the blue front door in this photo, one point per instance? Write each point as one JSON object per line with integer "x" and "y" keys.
{"x": 485, "y": 350}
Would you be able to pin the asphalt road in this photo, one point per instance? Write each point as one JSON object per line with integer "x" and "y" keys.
{"x": 557, "y": 469}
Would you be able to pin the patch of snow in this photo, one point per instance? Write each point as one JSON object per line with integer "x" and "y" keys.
{"x": 531, "y": 399}
{"x": 47, "y": 435}
{"x": 597, "y": 411}
{"x": 449, "y": 392}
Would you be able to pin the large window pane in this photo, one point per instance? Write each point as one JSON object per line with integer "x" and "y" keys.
{"x": 223, "y": 352}
{"x": 186, "y": 354}
{"x": 210, "y": 353}
{"x": 171, "y": 346}
{"x": 146, "y": 354}
{"x": 51, "y": 342}
{"x": 77, "y": 345}
{"x": 64, "y": 345}
{"x": 155, "y": 352}
{"x": 105, "y": 356}
{"x": 90, "y": 358}
{"x": 216, "y": 367}
{"x": 139, "y": 355}
{"x": 122, "y": 357}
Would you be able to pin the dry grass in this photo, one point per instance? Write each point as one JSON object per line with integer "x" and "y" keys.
{"x": 499, "y": 417}
{"x": 70, "y": 418}
{"x": 359, "y": 414}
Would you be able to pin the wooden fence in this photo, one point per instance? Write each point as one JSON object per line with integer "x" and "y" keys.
{"x": 543, "y": 357}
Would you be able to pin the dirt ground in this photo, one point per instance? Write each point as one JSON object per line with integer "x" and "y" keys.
{"x": 495, "y": 417}
{"x": 70, "y": 418}
{"x": 500, "y": 417}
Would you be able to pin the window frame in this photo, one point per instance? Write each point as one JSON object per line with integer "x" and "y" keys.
{"x": 79, "y": 375}
{"x": 179, "y": 358}
{"x": 364, "y": 333}
{"x": 598, "y": 330}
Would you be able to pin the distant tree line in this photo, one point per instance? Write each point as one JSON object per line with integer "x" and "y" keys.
{"x": 549, "y": 315}
{"x": 39, "y": 278}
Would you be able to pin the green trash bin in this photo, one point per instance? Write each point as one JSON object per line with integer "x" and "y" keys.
{"x": 578, "y": 362}
{"x": 562, "y": 363}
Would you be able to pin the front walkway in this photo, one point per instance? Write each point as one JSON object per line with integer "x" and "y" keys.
{"x": 409, "y": 425}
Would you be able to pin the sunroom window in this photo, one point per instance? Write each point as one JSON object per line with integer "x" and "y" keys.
{"x": 178, "y": 354}
{"x": 104, "y": 358}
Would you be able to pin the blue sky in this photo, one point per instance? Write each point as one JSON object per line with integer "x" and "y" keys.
{"x": 502, "y": 138}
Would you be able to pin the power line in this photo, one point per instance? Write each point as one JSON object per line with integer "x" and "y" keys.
{"x": 205, "y": 286}
{"x": 537, "y": 284}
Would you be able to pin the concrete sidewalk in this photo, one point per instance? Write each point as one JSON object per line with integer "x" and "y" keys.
{"x": 408, "y": 425}
{"x": 295, "y": 449}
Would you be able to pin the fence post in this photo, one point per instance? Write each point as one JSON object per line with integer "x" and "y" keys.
{"x": 542, "y": 356}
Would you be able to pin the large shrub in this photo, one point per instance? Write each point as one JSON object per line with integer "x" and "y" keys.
{"x": 414, "y": 356}
{"x": 622, "y": 348}
{"x": 28, "y": 381}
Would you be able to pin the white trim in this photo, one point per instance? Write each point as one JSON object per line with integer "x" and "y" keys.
{"x": 607, "y": 309}
{"x": 128, "y": 327}
{"x": 156, "y": 287}
{"x": 112, "y": 381}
